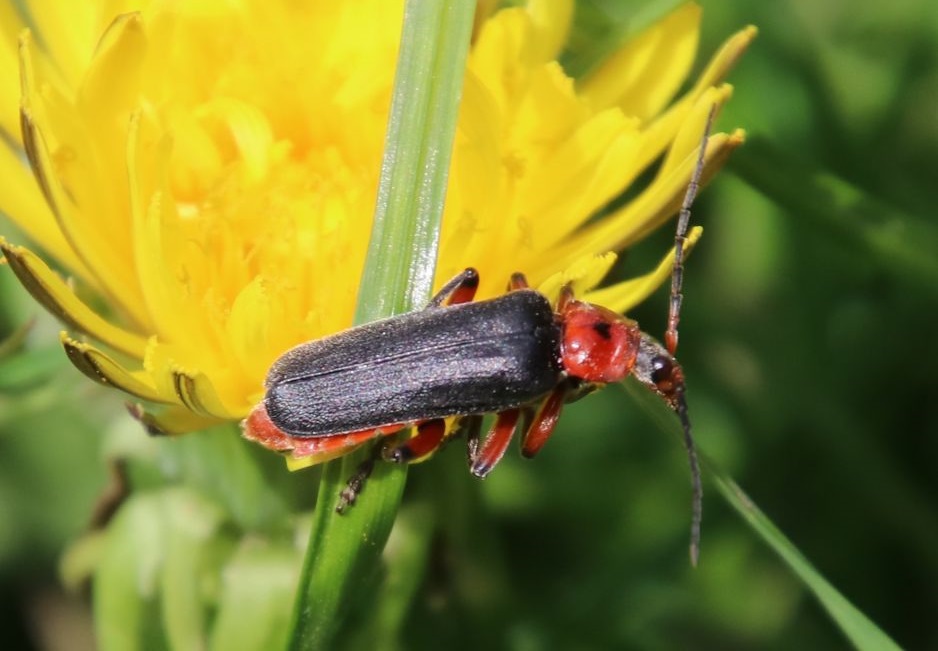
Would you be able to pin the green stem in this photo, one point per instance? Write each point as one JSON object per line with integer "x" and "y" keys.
{"x": 343, "y": 557}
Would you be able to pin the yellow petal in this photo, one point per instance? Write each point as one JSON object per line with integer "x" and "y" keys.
{"x": 68, "y": 34}
{"x": 104, "y": 370}
{"x": 658, "y": 201}
{"x": 725, "y": 59}
{"x": 110, "y": 267}
{"x": 10, "y": 26}
{"x": 582, "y": 276}
{"x": 196, "y": 391}
{"x": 484, "y": 10}
{"x": 189, "y": 386}
{"x": 22, "y": 201}
{"x": 251, "y": 325}
{"x": 299, "y": 463}
{"x": 158, "y": 246}
{"x": 565, "y": 188}
{"x": 170, "y": 421}
{"x": 623, "y": 296}
{"x": 659, "y": 133}
{"x": 686, "y": 142}
{"x": 111, "y": 84}
{"x": 53, "y": 294}
{"x": 643, "y": 75}
{"x": 551, "y": 20}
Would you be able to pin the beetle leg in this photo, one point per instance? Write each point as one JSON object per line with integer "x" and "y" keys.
{"x": 547, "y": 415}
{"x": 356, "y": 482}
{"x": 472, "y": 426}
{"x": 517, "y": 281}
{"x": 495, "y": 444}
{"x": 566, "y": 295}
{"x": 461, "y": 289}
{"x": 428, "y": 438}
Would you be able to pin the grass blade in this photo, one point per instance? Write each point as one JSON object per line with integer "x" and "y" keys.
{"x": 858, "y": 628}
{"x": 343, "y": 556}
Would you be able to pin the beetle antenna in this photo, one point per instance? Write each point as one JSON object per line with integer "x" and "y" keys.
{"x": 697, "y": 512}
{"x": 680, "y": 237}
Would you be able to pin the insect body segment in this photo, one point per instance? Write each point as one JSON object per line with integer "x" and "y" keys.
{"x": 599, "y": 345}
{"x": 436, "y": 363}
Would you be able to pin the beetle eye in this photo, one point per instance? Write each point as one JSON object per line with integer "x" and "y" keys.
{"x": 661, "y": 369}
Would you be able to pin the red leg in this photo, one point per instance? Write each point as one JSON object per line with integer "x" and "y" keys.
{"x": 547, "y": 416}
{"x": 461, "y": 289}
{"x": 566, "y": 295}
{"x": 495, "y": 444}
{"x": 428, "y": 438}
{"x": 517, "y": 281}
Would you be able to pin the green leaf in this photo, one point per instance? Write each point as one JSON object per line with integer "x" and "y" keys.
{"x": 257, "y": 589}
{"x": 893, "y": 239}
{"x": 407, "y": 550}
{"x": 343, "y": 556}
{"x": 26, "y": 369}
{"x": 192, "y": 556}
{"x": 126, "y": 585}
{"x": 235, "y": 473}
{"x": 15, "y": 341}
{"x": 862, "y": 632}
{"x": 153, "y": 585}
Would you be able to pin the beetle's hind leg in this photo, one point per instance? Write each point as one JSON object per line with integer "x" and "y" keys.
{"x": 461, "y": 289}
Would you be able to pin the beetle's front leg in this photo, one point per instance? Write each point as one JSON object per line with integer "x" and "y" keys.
{"x": 461, "y": 289}
{"x": 517, "y": 281}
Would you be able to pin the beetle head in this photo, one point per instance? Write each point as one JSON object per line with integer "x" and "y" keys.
{"x": 659, "y": 371}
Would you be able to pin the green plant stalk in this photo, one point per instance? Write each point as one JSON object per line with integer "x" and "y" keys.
{"x": 859, "y": 629}
{"x": 343, "y": 556}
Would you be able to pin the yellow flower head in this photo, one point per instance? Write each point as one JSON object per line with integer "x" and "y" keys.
{"x": 207, "y": 171}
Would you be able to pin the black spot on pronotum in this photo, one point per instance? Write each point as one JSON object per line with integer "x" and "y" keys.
{"x": 603, "y": 329}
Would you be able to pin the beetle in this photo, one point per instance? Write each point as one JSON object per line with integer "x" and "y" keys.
{"x": 516, "y": 356}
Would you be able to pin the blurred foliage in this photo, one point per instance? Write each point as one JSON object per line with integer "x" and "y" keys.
{"x": 808, "y": 347}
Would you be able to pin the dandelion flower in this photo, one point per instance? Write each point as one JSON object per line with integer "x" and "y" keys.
{"x": 204, "y": 174}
